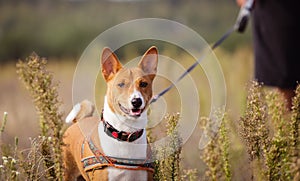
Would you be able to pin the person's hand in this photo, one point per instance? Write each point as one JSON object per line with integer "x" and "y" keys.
{"x": 241, "y": 2}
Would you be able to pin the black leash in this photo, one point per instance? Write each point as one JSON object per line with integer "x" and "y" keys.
{"x": 239, "y": 26}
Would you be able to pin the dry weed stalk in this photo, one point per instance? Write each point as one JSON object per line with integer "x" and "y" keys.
{"x": 38, "y": 81}
{"x": 216, "y": 153}
{"x": 224, "y": 141}
{"x": 168, "y": 168}
{"x": 32, "y": 159}
{"x": 277, "y": 152}
{"x": 254, "y": 129}
{"x": 275, "y": 155}
{"x": 9, "y": 167}
{"x": 294, "y": 135}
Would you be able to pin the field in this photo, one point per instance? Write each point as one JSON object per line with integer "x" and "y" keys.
{"x": 257, "y": 139}
{"x": 23, "y": 120}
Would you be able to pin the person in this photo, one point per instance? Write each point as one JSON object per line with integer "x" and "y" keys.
{"x": 276, "y": 36}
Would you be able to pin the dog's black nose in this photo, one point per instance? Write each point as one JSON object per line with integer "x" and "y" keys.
{"x": 136, "y": 102}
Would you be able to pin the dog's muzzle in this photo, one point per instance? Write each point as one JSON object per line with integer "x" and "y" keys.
{"x": 136, "y": 111}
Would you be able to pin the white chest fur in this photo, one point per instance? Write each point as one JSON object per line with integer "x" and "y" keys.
{"x": 112, "y": 147}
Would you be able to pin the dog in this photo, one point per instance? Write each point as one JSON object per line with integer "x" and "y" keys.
{"x": 114, "y": 146}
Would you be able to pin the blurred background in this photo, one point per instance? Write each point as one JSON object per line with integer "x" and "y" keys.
{"x": 63, "y": 28}
{"x": 60, "y": 30}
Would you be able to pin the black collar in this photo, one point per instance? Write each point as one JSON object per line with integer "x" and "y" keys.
{"x": 120, "y": 135}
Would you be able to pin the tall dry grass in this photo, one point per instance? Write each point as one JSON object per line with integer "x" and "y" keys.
{"x": 216, "y": 153}
{"x": 169, "y": 168}
{"x": 43, "y": 160}
{"x": 268, "y": 133}
{"x": 271, "y": 134}
{"x": 39, "y": 82}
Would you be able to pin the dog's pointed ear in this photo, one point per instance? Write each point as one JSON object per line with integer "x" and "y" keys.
{"x": 110, "y": 64}
{"x": 149, "y": 61}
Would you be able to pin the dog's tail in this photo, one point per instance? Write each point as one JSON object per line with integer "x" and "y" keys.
{"x": 80, "y": 111}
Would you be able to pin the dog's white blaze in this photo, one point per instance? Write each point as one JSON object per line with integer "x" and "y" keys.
{"x": 72, "y": 115}
{"x": 113, "y": 147}
{"x": 136, "y": 94}
{"x": 128, "y": 124}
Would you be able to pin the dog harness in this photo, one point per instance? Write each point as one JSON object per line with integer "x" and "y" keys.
{"x": 99, "y": 160}
{"x": 96, "y": 159}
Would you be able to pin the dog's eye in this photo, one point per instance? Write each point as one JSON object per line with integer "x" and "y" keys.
{"x": 143, "y": 84}
{"x": 121, "y": 84}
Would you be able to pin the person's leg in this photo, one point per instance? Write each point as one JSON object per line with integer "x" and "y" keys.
{"x": 288, "y": 95}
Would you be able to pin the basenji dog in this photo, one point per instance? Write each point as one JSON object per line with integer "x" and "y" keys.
{"x": 113, "y": 146}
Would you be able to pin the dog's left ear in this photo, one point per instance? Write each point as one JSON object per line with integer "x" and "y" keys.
{"x": 149, "y": 61}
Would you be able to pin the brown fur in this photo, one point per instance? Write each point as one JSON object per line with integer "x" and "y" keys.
{"x": 145, "y": 72}
{"x": 86, "y": 127}
{"x": 74, "y": 138}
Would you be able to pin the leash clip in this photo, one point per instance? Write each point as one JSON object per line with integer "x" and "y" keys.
{"x": 244, "y": 16}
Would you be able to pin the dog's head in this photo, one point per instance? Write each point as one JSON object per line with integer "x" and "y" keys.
{"x": 129, "y": 90}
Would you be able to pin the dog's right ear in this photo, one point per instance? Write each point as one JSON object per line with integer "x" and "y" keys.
{"x": 110, "y": 64}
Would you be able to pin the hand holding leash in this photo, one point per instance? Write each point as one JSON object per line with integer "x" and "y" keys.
{"x": 243, "y": 17}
